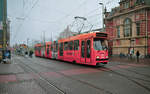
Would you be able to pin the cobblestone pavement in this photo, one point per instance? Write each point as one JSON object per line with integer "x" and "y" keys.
{"x": 44, "y": 76}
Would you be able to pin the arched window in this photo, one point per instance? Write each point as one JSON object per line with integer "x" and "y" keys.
{"x": 127, "y": 27}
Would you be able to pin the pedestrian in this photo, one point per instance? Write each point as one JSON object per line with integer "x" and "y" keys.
{"x": 26, "y": 54}
{"x": 6, "y": 57}
{"x": 137, "y": 55}
{"x": 31, "y": 53}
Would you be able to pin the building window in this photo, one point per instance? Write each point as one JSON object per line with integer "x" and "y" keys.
{"x": 118, "y": 32}
{"x": 137, "y": 29}
{"x": 140, "y": 2}
{"x": 127, "y": 27}
{"x": 137, "y": 41}
{"x": 126, "y": 5}
{"x": 118, "y": 42}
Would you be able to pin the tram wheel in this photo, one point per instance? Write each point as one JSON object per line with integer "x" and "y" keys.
{"x": 74, "y": 61}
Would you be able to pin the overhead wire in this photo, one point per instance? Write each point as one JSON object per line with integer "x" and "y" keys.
{"x": 64, "y": 17}
{"x": 26, "y": 16}
{"x": 69, "y": 14}
{"x": 73, "y": 11}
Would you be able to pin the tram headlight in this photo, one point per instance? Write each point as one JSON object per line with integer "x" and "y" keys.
{"x": 106, "y": 56}
{"x": 97, "y": 57}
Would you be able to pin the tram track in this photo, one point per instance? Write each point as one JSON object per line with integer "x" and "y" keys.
{"x": 130, "y": 78}
{"x": 75, "y": 79}
{"x": 147, "y": 76}
{"x": 28, "y": 69}
{"x": 125, "y": 70}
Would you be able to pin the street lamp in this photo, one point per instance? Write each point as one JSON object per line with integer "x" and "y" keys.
{"x": 102, "y": 15}
{"x": 80, "y": 18}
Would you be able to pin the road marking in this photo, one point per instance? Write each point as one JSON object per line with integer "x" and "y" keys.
{"x": 8, "y": 78}
{"x": 50, "y": 74}
{"x": 79, "y": 71}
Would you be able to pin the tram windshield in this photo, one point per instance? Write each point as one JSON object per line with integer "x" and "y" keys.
{"x": 100, "y": 44}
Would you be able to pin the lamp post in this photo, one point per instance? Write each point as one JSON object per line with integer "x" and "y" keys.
{"x": 102, "y": 15}
{"x": 132, "y": 46}
{"x": 4, "y": 24}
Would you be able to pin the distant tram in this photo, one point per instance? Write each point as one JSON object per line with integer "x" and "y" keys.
{"x": 87, "y": 48}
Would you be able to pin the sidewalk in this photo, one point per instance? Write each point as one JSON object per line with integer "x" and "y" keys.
{"x": 127, "y": 60}
{"x": 6, "y": 69}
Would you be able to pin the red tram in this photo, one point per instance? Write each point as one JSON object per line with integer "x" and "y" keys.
{"x": 48, "y": 53}
{"x": 37, "y": 51}
{"x": 87, "y": 48}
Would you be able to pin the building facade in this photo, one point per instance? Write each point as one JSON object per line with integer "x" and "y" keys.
{"x": 3, "y": 27}
{"x": 128, "y": 28}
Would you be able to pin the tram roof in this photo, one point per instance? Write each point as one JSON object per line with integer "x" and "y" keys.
{"x": 39, "y": 44}
{"x": 85, "y": 36}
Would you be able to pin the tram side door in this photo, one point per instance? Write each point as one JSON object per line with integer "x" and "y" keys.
{"x": 88, "y": 51}
{"x": 82, "y": 51}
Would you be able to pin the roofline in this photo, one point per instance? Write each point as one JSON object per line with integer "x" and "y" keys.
{"x": 136, "y": 9}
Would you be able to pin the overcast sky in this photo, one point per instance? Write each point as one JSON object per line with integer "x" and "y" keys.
{"x": 30, "y": 18}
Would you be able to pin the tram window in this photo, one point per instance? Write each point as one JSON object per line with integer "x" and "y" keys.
{"x": 88, "y": 48}
{"x": 66, "y": 46}
{"x": 61, "y": 49}
{"x": 45, "y": 46}
{"x": 51, "y": 47}
{"x": 82, "y": 49}
{"x": 56, "y": 46}
{"x": 39, "y": 49}
{"x": 100, "y": 44}
{"x": 76, "y": 45}
{"x": 47, "y": 49}
{"x": 70, "y": 45}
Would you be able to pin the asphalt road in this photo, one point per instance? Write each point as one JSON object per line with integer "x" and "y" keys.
{"x": 45, "y": 76}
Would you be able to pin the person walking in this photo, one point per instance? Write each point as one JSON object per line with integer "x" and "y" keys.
{"x": 137, "y": 55}
{"x": 30, "y": 53}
